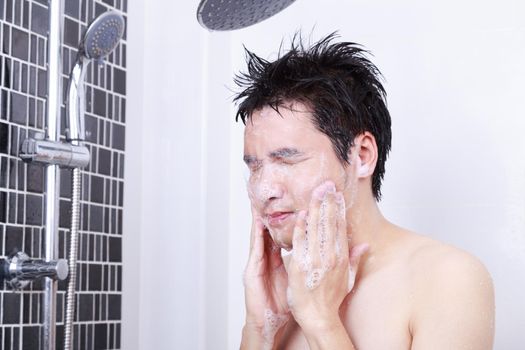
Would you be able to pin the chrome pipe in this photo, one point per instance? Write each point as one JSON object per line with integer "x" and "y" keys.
{"x": 75, "y": 104}
{"x": 54, "y": 69}
{"x": 50, "y": 285}
{"x": 52, "y": 186}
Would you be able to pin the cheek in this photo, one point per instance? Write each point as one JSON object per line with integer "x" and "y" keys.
{"x": 309, "y": 179}
{"x": 252, "y": 191}
{"x": 306, "y": 180}
{"x": 258, "y": 190}
{"x": 301, "y": 191}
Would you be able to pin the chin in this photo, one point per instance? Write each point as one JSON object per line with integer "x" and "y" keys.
{"x": 282, "y": 238}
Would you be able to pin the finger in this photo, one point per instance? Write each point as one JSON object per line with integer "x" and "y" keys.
{"x": 253, "y": 231}
{"x": 341, "y": 247}
{"x": 300, "y": 245}
{"x": 257, "y": 244}
{"x": 255, "y": 217}
{"x": 328, "y": 222}
{"x": 313, "y": 219}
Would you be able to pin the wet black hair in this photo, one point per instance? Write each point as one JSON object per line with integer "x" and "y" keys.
{"x": 336, "y": 80}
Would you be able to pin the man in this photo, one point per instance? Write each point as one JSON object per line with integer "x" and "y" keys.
{"x": 316, "y": 139}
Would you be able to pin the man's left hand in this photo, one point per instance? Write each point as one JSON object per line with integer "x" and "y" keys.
{"x": 322, "y": 269}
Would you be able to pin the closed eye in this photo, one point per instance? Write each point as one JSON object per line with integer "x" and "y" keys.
{"x": 285, "y": 156}
{"x": 289, "y": 161}
{"x": 255, "y": 166}
{"x": 252, "y": 163}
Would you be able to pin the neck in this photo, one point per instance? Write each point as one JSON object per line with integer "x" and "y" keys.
{"x": 365, "y": 222}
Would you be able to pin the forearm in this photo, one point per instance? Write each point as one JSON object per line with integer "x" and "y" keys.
{"x": 250, "y": 339}
{"x": 327, "y": 338}
{"x": 254, "y": 339}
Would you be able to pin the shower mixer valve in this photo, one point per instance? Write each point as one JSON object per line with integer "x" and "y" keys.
{"x": 39, "y": 150}
{"x": 18, "y": 270}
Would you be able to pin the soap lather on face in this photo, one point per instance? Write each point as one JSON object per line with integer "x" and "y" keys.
{"x": 288, "y": 158}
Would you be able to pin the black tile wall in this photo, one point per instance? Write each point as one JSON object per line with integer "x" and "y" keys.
{"x": 40, "y": 19}
{"x": 23, "y": 89}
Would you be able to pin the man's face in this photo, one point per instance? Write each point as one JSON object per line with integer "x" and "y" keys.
{"x": 288, "y": 158}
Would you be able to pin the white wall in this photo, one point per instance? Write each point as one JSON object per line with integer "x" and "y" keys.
{"x": 164, "y": 274}
{"x": 456, "y": 172}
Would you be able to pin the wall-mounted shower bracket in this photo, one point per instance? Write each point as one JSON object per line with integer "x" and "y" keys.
{"x": 39, "y": 150}
{"x": 18, "y": 270}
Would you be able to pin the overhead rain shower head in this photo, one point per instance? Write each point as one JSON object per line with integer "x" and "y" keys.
{"x": 223, "y": 15}
{"x": 102, "y": 35}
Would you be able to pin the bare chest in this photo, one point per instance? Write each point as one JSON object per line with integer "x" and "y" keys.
{"x": 376, "y": 316}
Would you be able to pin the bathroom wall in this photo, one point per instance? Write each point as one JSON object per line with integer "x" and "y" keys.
{"x": 456, "y": 172}
{"x": 454, "y": 76}
{"x": 23, "y": 28}
{"x": 174, "y": 292}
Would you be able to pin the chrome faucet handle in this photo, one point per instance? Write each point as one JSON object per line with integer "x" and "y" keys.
{"x": 18, "y": 270}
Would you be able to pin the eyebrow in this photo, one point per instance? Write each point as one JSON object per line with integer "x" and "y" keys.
{"x": 285, "y": 152}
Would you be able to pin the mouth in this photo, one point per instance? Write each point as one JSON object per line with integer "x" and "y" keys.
{"x": 277, "y": 218}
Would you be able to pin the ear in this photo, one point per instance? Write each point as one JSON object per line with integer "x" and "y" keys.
{"x": 365, "y": 148}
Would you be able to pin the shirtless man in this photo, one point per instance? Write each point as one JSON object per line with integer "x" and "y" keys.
{"x": 316, "y": 139}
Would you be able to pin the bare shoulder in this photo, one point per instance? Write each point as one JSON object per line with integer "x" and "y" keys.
{"x": 437, "y": 263}
{"x": 454, "y": 296}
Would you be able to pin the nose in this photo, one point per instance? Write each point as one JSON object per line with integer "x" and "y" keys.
{"x": 268, "y": 191}
{"x": 268, "y": 186}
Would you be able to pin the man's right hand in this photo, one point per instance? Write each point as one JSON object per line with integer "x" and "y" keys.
{"x": 265, "y": 284}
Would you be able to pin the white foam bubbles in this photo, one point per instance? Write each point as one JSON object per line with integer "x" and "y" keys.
{"x": 272, "y": 323}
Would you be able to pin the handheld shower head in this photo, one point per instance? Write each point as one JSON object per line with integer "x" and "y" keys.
{"x": 101, "y": 37}
{"x": 236, "y": 14}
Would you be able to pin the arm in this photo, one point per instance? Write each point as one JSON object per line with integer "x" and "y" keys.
{"x": 265, "y": 283}
{"x": 251, "y": 338}
{"x": 332, "y": 337}
{"x": 456, "y": 308}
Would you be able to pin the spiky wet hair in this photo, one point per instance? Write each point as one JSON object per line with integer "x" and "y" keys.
{"x": 336, "y": 80}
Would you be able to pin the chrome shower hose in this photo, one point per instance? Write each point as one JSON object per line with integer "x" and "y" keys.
{"x": 73, "y": 253}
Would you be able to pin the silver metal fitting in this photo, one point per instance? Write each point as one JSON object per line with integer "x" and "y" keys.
{"x": 38, "y": 150}
{"x": 18, "y": 270}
